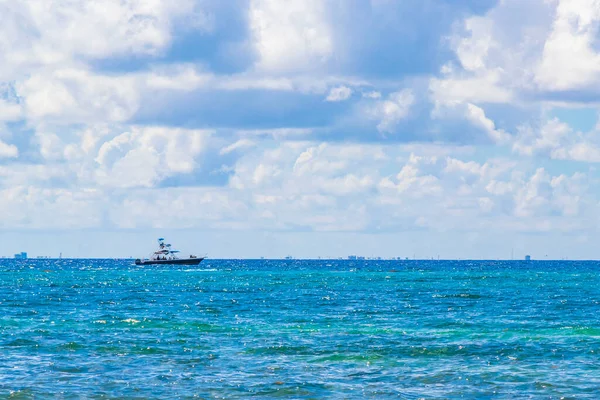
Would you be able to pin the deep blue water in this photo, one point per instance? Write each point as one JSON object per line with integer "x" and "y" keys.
{"x": 300, "y": 329}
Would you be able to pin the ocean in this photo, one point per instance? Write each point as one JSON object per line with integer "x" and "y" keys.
{"x": 322, "y": 329}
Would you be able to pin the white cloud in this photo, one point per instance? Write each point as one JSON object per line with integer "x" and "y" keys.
{"x": 534, "y": 195}
{"x": 317, "y": 186}
{"x": 300, "y": 184}
{"x": 53, "y": 32}
{"x": 78, "y": 95}
{"x": 312, "y": 163}
{"x": 483, "y": 88}
{"x": 8, "y": 150}
{"x": 473, "y": 49}
{"x": 391, "y": 111}
{"x": 570, "y": 60}
{"x": 415, "y": 179}
{"x": 277, "y": 133}
{"x": 146, "y": 155}
{"x": 523, "y": 47}
{"x": 348, "y": 184}
{"x": 10, "y": 111}
{"x": 178, "y": 77}
{"x": 211, "y": 208}
{"x": 508, "y": 58}
{"x": 253, "y": 82}
{"x": 478, "y": 118}
{"x": 372, "y": 95}
{"x": 37, "y": 175}
{"x": 48, "y": 208}
{"x": 482, "y": 75}
{"x": 77, "y": 120}
{"x": 293, "y": 35}
{"x": 339, "y": 94}
{"x": 304, "y": 83}
{"x": 50, "y": 144}
{"x": 558, "y": 141}
{"x": 238, "y": 145}
{"x": 543, "y": 194}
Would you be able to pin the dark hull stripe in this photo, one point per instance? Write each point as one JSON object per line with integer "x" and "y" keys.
{"x": 185, "y": 261}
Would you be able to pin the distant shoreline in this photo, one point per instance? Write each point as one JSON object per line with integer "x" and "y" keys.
{"x": 312, "y": 259}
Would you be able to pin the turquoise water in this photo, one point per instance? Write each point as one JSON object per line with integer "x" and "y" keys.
{"x": 300, "y": 329}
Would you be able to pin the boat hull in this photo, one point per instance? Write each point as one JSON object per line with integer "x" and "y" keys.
{"x": 179, "y": 261}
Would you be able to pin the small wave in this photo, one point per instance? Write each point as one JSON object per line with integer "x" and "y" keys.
{"x": 21, "y": 343}
{"x": 200, "y": 270}
{"x": 458, "y": 295}
{"x": 72, "y": 346}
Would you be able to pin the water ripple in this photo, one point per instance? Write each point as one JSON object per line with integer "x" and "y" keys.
{"x": 299, "y": 329}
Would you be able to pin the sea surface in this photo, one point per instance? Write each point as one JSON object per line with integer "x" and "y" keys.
{"x": 320, "y": 329}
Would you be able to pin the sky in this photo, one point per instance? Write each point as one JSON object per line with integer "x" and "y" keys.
{"x": 310, "y": 128}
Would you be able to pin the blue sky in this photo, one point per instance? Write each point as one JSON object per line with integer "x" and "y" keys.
{"x": 248, "y": 128}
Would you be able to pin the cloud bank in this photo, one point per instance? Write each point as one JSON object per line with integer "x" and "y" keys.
{"x": 317, "y": 116}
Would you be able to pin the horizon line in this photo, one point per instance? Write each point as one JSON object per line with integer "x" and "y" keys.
{"x": 42, "y": 258}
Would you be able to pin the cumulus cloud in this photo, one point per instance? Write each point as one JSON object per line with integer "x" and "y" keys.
{"x": 82, "y": 88}
{"x": 181, "y": 207}
{"x": 78, "y": 95}
{"x": 570, "y": 59}
{"x": 339, "y": 94}
{"x": 182, "y": 77}
{"x": 477, "y": 116}
{"x": 294, "y": 35}
{"x": 510, "y": 55}
{"x": 8, "y": 150}
{"x": 528, "y": 66}
{"x": 392, "y": 110}
{"x": 238, "y": 145}
{"x": 435, "y": 192}
{"x": 146, "y": 155}
{"x": 372, "y": 95}
{"x": 9, "y": 111}
{"x": 50, "y": 208}
{"x": 41, "y": 32}
{"x": 545, "y": 194}
{"x": 558, "y": 141}
{"x": 485, "y": 88}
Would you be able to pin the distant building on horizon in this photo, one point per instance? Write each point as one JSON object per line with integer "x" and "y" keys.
{"x": 21, "y": 256}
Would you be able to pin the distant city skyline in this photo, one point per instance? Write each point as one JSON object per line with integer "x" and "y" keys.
{"x": 309, "y": 128}
{"x": 310, "y": 245}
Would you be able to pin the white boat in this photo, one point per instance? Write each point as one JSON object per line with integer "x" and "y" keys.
{"x": 165, "y": 255}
